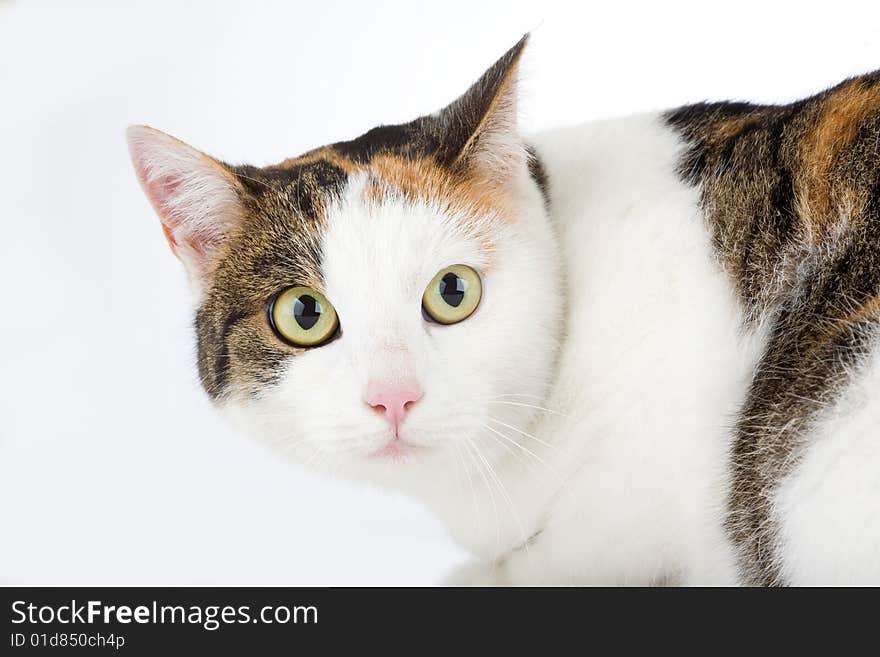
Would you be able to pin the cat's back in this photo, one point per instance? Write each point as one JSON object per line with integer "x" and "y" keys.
{"x": 791, "y": 197}
{"x": 785, "y": 185}
{"x": 724, "y": 269}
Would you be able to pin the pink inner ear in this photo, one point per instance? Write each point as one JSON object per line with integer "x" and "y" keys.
{"x": 161, "y": 190}
{"x": 195, "y": 196}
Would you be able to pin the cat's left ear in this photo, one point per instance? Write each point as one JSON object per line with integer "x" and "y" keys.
{"x": 197, "y": 198}
{"x": 480, "y": 128}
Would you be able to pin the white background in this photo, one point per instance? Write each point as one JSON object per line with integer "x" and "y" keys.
{"x": 113, "y": 467}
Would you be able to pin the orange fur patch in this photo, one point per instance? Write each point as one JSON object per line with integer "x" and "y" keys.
{"x": 727, "y": 129}
{"x": 323, "y": 153}
{"x": 424, "y": 179}
{"x": 841, "y": 115}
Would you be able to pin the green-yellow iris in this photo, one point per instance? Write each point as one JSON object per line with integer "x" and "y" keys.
{"x": 453, "y": 294}
{"x": 303, "y": 317}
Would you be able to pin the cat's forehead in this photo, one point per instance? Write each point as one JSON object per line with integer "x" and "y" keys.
{"x": 415, "y": 158}
{"x": 308, "y": 181}
{"x": 378, "y": 230}
{"x": 288, "y": 206}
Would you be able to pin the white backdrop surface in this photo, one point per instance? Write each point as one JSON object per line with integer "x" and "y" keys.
{"x": 113, "y": 467}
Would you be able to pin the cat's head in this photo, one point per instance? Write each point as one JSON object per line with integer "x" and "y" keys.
{"x": 382, "y": 305}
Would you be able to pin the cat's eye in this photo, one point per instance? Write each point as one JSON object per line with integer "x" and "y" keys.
{"x": 453, "y": 294}
{"x": 303, "y": 317}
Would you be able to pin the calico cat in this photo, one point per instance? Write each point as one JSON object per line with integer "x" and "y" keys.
{"x": 638, "y": 351}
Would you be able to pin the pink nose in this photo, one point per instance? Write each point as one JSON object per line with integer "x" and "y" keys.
{"x": 394, "y": 400}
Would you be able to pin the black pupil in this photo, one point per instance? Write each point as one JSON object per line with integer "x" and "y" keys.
{"x": 452, "y": 289}
{"x": 307, "y": 311}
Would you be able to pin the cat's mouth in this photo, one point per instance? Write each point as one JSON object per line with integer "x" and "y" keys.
{"x": 397, "y": 450}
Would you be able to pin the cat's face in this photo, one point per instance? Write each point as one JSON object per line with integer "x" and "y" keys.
{"x": 379, "y": 306}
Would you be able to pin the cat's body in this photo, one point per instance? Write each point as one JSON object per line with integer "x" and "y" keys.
{"x": 673, "y": 374}
{"x": 659, "y": 362}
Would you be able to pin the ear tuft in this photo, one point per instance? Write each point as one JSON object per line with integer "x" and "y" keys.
{"x": 196, "y": 197}
{"x": 480, "y": 127}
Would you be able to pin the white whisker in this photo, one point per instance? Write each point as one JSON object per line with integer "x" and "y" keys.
{"x": 470, "y": 445}
{"x": 522, "y": 447}
{"x": 504, "y": 492}
{"x": 523, "y": 433}
{"x": 540, "y": 408}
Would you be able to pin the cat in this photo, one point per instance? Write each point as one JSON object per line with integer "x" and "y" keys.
{"x": 638, "y": 351}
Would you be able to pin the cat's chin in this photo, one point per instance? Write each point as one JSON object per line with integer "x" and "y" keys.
{"x": 398, "y": 451}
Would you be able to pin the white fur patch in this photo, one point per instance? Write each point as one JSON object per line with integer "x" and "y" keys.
{"x": 829, "y": 507}
{"x": 653, "y": 370}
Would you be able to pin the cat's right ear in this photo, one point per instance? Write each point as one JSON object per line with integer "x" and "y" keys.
{"x": 196, "y": 197}
{"x": 480, "y": 127}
